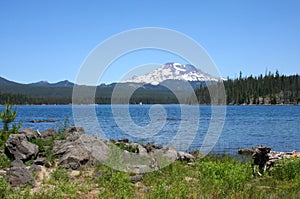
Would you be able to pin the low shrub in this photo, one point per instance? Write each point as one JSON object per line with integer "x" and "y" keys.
{"x": 4, "y": 187}
{"x": 287, "y": 170}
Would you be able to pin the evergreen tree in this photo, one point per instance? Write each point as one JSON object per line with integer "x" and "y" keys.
{"x": 8, "y": 115}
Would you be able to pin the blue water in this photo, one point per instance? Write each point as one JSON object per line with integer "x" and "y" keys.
{"x": 244, "y": 126}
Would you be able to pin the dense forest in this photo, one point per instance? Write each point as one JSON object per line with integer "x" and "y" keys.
{"x": 145, "y": 96}
{"x": 268, "y": 89}
{"x": 138, "y": 97}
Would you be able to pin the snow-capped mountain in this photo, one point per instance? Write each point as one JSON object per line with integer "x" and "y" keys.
{"x": 173, "y": 71}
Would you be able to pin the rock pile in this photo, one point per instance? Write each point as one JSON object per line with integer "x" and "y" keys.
{"x": 79, "y": 149}
{"x": 19, "y": 149}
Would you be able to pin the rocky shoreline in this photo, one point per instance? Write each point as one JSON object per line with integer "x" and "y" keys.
{"x": 34, "y": 155}
{"x": 77, "y": 150}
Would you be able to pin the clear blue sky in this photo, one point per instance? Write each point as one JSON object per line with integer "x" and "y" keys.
{"x": 49, "y": 39}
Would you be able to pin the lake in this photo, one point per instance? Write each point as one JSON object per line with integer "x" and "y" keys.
{"x": 244, "y": 126}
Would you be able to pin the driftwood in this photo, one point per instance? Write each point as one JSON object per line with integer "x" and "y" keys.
{"x": 264, "y": 158}
{"x": 260, "y": 158}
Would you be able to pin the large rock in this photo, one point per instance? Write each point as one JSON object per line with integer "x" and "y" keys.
{"x": 74, "y": 158}
{"x": 71, "y": 154}
{"x": 29, "y": 133}
{"x": 98, "y": 149}
{"x": 79, "y": 149}
{"x": 17, "y": 147}
{"x": 164, "y": 157}
{"x": 47, "y": 134}
{"x": 18, "y": 175}
{"x": 74, "y": 132}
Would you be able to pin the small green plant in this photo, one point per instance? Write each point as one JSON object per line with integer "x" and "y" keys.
{"x": 4, "y": 160}
{"x": 7, "y": 116}
{"x": 4, "y": 187}
{"x": 128, "y": 148}
{"x": 60, "y": 174}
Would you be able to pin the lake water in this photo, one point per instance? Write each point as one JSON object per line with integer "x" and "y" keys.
{"x": 244, "y": 126}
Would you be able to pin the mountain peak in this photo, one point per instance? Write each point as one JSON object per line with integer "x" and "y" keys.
{"x": 64, "y": 83}
{"x": 173, "y": 71}
{"x": 41, "y": 83}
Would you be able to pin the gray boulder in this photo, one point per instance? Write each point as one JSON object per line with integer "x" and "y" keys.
{"x": 164, "y": 157}
{"x": 47, "y": 134}
{"x": 17, "y": 147}
{"x": 79, "y": 149}
{"x": 74, "y": 158}
{"x": 42, "y": 161}
{"x": 18, "y": 175}
{"x": 141, "y": 149}
{"x": 35, "y": 168}
{"x": 97, "y": 148}
{"x": 71, "y": 154}
{"x": 17, "y": 163}
{"x": 74, "y": 132}
{"x": 135, "y": 178}
{"x": 29, "y": 133}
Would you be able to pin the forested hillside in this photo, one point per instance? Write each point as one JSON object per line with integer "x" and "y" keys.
{"x": 268, "y": 89}
{"x": 55, "y": 94}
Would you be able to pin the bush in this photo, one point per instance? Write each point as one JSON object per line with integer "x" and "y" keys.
{"x": 287, "y": 170}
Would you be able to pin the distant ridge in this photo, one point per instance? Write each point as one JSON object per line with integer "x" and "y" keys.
{"x": 44, "y": 92}
{"x": 64, "y": 83}
{"x": 5, "y": 82}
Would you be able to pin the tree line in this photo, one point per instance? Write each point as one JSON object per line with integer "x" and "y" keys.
{"x": 272, "y": 88}
{"x": 268, "y": 89}
{"x": 136, "y": 98}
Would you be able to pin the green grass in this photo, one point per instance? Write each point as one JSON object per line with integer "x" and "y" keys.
{"x": 4, "y": 160}
{"x": 210, "y": 177}
{"x": 129, "y": 148}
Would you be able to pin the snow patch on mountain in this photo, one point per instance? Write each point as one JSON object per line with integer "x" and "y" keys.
{"x": 173, "y": 71}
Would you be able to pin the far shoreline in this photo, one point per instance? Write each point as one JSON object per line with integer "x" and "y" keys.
{"x": 155, "y": 104}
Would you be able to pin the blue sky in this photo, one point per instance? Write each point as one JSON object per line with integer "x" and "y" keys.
{"x": 50, "y": 39}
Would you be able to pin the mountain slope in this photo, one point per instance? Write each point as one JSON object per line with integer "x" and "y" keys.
{"x": 173, "y": 71}
{"x": 5, "y": 82}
